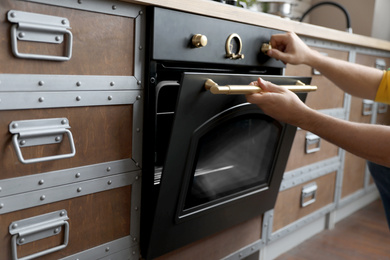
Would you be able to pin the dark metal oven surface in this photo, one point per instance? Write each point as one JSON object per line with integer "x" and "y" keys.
{"x": 210, "y": 161}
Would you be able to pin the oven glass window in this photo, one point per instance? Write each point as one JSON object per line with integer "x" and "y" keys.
{"x": 233, "y": 157}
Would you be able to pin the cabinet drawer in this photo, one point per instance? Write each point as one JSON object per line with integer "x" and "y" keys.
{"x": 353, "y": 175}
{"x": 288, "y": 207}
{"x": 328, "y": 95}
{"x": 307, "y": 150}
{"x": 100, "y": 134}
{"x": 221, "y": 244}
{"x": 101, "y": 44}
{"x": 383, "y": 114}
{"x": 93, "y": 219}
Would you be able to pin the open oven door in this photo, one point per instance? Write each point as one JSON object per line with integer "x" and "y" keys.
{"x": 224, "y": 162}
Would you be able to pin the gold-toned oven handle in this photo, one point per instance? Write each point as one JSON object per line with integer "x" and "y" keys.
{"x": 249, "y": 89}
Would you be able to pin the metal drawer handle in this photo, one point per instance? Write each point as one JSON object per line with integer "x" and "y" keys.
{"x": 309, "y": 194}
{"x": 36, "y": 228}
{"x": 40, "y": 132}
{"x": 39, "y": 28}
{"x": 313, "y": 143}
{"x": 382, "y": 108}
{"x": 248, "y": 89}
{"x": 368, "y": 106}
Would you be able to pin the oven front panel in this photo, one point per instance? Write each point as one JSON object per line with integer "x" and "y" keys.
{"x": 173, "y": 32}
{"x": 224, "y": 157}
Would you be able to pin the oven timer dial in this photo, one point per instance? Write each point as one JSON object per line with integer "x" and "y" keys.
{"x": 199, "y": 40}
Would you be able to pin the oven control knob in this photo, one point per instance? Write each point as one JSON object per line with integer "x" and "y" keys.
{"x": 199, "y": 40}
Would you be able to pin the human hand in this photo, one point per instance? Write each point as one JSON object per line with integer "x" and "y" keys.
{"x": 278, "y": 102}
{"x": 289, "y": 48}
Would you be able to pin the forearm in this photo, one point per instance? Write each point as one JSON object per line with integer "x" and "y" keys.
{"x": 371, "y": 142}
{"x": 355, "y": 79}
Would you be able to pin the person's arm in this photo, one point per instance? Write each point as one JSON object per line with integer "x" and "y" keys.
{"x": 355, "y": 79}
{"x": 371, "y": 142}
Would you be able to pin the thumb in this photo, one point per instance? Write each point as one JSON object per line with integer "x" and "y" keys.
{"x": 267, "y": 86}
{"x": 277, "y": 54}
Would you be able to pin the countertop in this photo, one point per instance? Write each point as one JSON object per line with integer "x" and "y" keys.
{"x": 232, "y": 13}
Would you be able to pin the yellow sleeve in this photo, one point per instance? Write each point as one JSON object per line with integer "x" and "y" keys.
{"x": 383, "y": 93}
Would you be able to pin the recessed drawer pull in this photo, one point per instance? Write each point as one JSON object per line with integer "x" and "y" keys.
{"x": 41, "y": 132}
{"x": 32, "y": 229}
{"x": 248, "y": 89}
{"x": 313, "y": 143}
{"x": 40, "y": 28}
{"x": 309, "y": 194}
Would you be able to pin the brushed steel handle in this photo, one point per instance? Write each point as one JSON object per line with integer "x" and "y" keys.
{"x": 249, "y": 89}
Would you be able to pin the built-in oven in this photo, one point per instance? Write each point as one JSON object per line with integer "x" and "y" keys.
{"x": 211, "y": 161}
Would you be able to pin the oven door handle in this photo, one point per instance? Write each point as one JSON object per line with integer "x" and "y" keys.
{"x": 248, "y": 89}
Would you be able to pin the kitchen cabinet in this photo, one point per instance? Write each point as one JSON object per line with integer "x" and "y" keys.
{"x": 70, "y": 130}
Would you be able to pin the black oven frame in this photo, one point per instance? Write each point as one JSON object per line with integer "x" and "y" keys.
{"x": 162, "y": 228}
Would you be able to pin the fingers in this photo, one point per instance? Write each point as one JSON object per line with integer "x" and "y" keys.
{"x": 267, "y": 86}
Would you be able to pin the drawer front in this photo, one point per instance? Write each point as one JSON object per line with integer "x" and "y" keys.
{"x": 94, "y": 219}
{"x": 328, "y": 95}
{"x": 353, "y": 175}
{"x": 308, "y": 149}
{"x": 221, "y": 244}
{"x": 383, "y": 114}
{"x": 301, "y": 200}
{"x": 98, "y": 42}
{"x": 100, "y": 134}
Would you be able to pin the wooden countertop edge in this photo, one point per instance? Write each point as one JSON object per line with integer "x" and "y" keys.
{"x": 232, "y": 13}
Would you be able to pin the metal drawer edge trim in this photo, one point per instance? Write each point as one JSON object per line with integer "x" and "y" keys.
{"x": 356, "y": 195}
{"x": 310, "y": 172}
{"x": 36, "y": 100}
{"x": 300, "y": 223}
{"x": 46, "y": 180}
{"x": 100, "y": 6}
{"x": 109, "y": 249}
{"x": 344, "y": 47}
{"x": 52, "y": 83}
{"x": 64, "y": 192}
{"x": 245, "y": 251}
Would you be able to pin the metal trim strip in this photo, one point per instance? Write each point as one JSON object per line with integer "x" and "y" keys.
{"x": 46, "y": 180}
{"x": 99, "y": 6}
{"x": 64, "y": 192}
{"x": 356, "y": 195}
{"x": 301, "y": 222}
{"x": 344, "y": 47}
{"x": 245, "y": 251}
{"x": 310, "y": 172}
{"x": 36, "y": 100}
{"x": 139, "y": 45}
{"x": 54, "y": 83}
{"x": 122, "y": 246}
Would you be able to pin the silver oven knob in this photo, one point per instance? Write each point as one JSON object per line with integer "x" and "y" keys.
{"x": 199, "y": 40}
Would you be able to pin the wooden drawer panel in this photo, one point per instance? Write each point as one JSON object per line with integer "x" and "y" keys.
{"x": 221, "y": 244}
{"x": 298, "y": 156}
{"x": 328, "y": 95}
{"x": 100, "y": 133}
{"x": 355, "y": 167}
{"x": 102, "y": 44}
{"x": 94, "y": 219}
{"x": 288, "y": 207}
{"x": 353, "y": 175}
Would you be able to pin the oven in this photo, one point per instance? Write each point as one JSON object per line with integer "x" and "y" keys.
{"x": 211, "y": 161}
